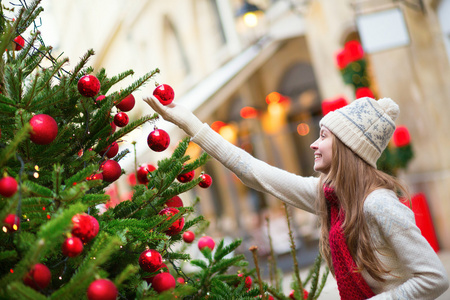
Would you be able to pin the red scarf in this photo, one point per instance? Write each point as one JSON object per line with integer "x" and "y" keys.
{"x": 351, "y": 284}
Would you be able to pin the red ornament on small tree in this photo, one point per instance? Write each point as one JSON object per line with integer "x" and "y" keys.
{"x": 85, "y": 227}
{"x": 248, "y": 280}
{"x": 44, "y": 129}
{"x": 11, "y": 223}
{"x": 206, "y": 181}
{"x": 401, "y": 136}
{"x": 150, "y": 260}
{"x": 111, "y": 150}
{"x": 188, "y": 237}
{"x": 72, "y": 247}
{"x": 161, "y": 269}
{"x": 88, "y": 86}
{"x": 8, "y": 186}
{"x": 143, "y": 171}
{"x": 163, "y": 282}
{"x": 38, "y": 277}
{"x": 127, "y": 103}
{"x": 186, "y": 177}
{"x": 158, "y": 140}
{"x": 102, "y": 289}
{"x": 164, "y": 93}
{"x": 121, "y": 119}
{"x": 19, "y": 43}
{"x": 176, "y": 226}
{"x": 206, "y": 241}
{"x": 175, "y": 201}
{"x": 111, "y": 170}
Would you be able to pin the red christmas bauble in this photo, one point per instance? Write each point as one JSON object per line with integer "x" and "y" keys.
{"x": 353, "y": 50}
{"x": 38, "y": 277}
{"x": 188, "y": 236}
{"x": 8, "y": 186}
{"x": 44, "y": 129}
{"x": 161, "y": 269}
{"x": 305, "y": 294}
{"x": 186, "y": 177}
{"x": 180, "y": 280}
{"x": 206, "y": 241}
{"x": 163, "y": 282}
{"x": 158, "y": 140}
{"x": 84, "y": 227}
{"x": 11, "y": 223}
{"x": 121, "y": 119}
{"x": 19, "y": 42}
{"x": 127, "y": 103}
{"x": 401, "y": 136}
{"x": 72, "y": 247}
{"x": 111, "y": 150}
{"x": 111, "y": 170}
{"x": 88, "y": 86}
{"x": 248, "y": 280}
{"x": 99, "y": 98}
{"x": 175, "y": 201}
{"x": 143, "y": 171}
{"x": 102, "y": 289}
{"x": 164, "y": 93}
{"x": 205, "y": 182}
{"x": 177, "y": 226}
{"x": 150, "y": 260}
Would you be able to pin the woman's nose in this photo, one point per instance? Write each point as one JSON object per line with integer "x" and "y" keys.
{"x": 314, "y": 145}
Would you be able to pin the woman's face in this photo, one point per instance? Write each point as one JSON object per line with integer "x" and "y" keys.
{"x": 322, "y": 151}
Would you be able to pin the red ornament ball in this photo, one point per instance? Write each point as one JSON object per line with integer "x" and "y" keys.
{"x": 150, "y": 260}
{"x": 206, "y": 241}
{"x": 11, "y": 223}
{"x": 188, "y": 236}
{"x": 127, "y": 103}
{"x": 8, "y": 186}
{"x": 177, "y": 226}
{"x": 102, "y": 289}
{"x": 158, "y": 140}
{"x": 161, "y": 269}
{"x": 186, "y": 177}
{"x": 180, "y": 280}
{"x": 164, "y": 93}
{"x": 38, "y": 277}
{"x": 305, "y": 294}
{"x": 121, "y": 119}
{"x": 363, "y": 92}
{"x": 143, "y": 171}
{"x": 163, "y": 282}
{"x": 401, "y": 136}
{"x": 84, "y": 227}
{"x": 44, "y": 129}
{"x": 175, "y": 201}
{"x": 19, "y": 43}
{"x": 111, "y": 170}
{"x": 88, "y": 86}
{"x": 248, "y": 280}
{"x": 111, "y": 150}
{"x": 205, "y": 182}
{"x": 72, "y": 247}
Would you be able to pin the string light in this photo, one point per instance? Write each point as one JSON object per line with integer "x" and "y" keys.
{"x": 36, "y": 175}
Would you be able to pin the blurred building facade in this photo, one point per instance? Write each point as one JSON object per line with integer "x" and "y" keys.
{"x": 266, "y": 84}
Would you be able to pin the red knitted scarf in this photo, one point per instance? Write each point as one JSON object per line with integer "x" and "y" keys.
{"x": 351, "y": 284}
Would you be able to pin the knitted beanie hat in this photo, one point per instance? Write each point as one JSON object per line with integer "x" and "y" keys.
{"x": 365, "y": 126}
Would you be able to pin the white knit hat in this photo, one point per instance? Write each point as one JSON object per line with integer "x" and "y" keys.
{"x": 365, "y": 126}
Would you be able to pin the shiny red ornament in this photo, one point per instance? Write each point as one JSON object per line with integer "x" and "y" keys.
{"x": 175, "y": 201}
{"x": 161, "y": 269}
{"x": 19, "y": 43}
{"x": 177, "y": 226}
{"x": 102, "y": 289}
{"x": 188, "y": 236}
{"x": 72, "y": 247}
{"x": 163, "y": 282}
{"x": 150, "y": 260}
{"x": 127, "y": 103}
{"x": 111, "y": 170}
{"x": 205, "y": 182}
{"x": 44, "y": 129}
{"x": 180, "y": 280}
{"x": 364, "y": 92}
{"x": 401, "y": 137}
{"x": 8, "y": 186}
{"x": 11, "y": 223}
{"x": 164, "y": 93}
{"x": 206, "y": 241}
{"x": 88, "y": 86}
{"x": 38, "y": 277}
{"x": 158, "y": 140}
{"x": 186, "y": 177}
{"x": 353, "y": 51}
{"x": 331, "y": 105}
{"x": 143, "y": 171}
{"x": 121, "y": 119}
{"x": 248, "y": 280}
{"x": 84, "y": 227}
{"x": 111, "y": 150}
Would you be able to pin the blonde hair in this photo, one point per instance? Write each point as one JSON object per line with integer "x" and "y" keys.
{"x": 353, "y": 180}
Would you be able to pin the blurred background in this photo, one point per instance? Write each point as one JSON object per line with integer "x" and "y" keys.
{"x": 259, "y": 73}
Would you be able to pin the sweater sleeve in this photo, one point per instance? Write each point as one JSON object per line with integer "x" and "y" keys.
{"x": 296, "y": 190}
{"x": 426, "y": 276}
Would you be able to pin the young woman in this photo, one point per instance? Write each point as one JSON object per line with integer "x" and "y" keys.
{"x": 368, "y": 237}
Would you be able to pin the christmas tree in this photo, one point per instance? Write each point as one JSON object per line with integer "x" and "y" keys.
{"x": 58, "y": 153}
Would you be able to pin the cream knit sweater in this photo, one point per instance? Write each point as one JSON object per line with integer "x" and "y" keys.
{"x": 417, "y": 272}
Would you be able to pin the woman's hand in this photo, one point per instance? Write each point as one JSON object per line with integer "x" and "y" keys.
{"x": 176, "y": 114}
